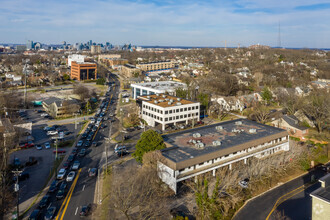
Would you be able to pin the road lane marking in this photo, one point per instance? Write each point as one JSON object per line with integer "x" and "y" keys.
{"x": 290, "y": 195}
{"x": 67, "y": 203}
{"x": 83, "y": 188}
{"x": 76, "y": 211}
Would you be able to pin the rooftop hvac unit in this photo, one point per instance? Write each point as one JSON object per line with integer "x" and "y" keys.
{"x": 236, "y": 130}
{"x": 194, "y": 141}
{"x": 169, "y": 103}
{"x": 161, "y": 100}
{"x": 155, "y": 102}
{"x": 167, "y": 99}
{"x": 216, "y": 143}
{"x": 179, "y": 99}
{"x": 197, "y": 135}
{"x": 219, "y": 128}
{"x": 148, "y": 97}
{"x": 178, "y": 103}
{"x": 238, "y": 123}
{"x": 157, "y": 94}
{"x": 253, "y": 130}
{"x": 199, "y": 145}
{"x": 164, "y": 96}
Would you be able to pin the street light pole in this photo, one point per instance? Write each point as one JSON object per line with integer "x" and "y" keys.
{"x": 17, "y": 173}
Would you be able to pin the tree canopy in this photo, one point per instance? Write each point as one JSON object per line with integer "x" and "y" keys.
{"x": 150, "y": 140}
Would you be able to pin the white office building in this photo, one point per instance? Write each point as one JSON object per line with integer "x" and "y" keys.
{"x": 193, "y": 152}
{"x": 150, "y": 88}
{"x": 76, "y": 57}
{"x": 165, "y": 109}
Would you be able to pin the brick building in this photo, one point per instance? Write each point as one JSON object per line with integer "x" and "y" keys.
{"x": 83, "y": 70}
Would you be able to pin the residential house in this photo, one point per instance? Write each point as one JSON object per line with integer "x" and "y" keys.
{"x": 303, "y": 118}
{"x": 250, "y": 100}
{"x": 292, "y": 125}
{"x": 152, "y": 78}
{"x": 229, "y": 103}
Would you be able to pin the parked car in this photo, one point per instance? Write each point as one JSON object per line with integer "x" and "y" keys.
{"x": 59, "y": 151}
{"x": 66, "y": 164}
{"x": 50, "y": 213}
{"x": 44, "y": 114}
{"x": 74, "y": 151}
{"x": 75, "y": 165}
{"x": 28, "y": 144}
{"x": 38, "y": 147}
{"x": 80, "y": 143}
{"x": 84, "y": 135}
{"x": 93, "y": 120}
{"x": 53, "y": 186}
{"x": 71, "y": 157}
{"x": 34, "y": 215}
{"x": 52, "y": 132}
{"x": 92, "y": 172}
{"x": 31, "y": 161}
{"x": 44, "y": 201}
{"x": 87, "y": 144}
{"x": 22, "y": 176}
{"x": 70, "y": 176}
{"x": 61, "y": 173}
{"x": 244, "y": 183}
{"x": 17, "y": 162}
{"x": 90, "y": 137}
{"x": 63, "y": 185}
{"x": 67, "y": 132}
{"x": 82, "y": 152}
{"x": 47, "y": 145}
{"x": 85, "y": 210}
{"x": 94, "y": 144}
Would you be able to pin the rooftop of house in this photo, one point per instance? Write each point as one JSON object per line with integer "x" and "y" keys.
{"x": 165, "y": 101}
{"x": 323, "y": 192}
{"x": 163, "y": 85}
{"x": 202, "y": 141}
{"x": 293, "y": 121}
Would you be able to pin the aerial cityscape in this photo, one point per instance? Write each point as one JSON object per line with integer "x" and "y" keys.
{"x": 165, "y": 110}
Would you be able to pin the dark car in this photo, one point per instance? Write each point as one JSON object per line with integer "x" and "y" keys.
{"x": 85, "y": 210}
{"x": 50, "y": 213}
{"x": 60, "y": 194}
{"x": 89, "y": 138}
{"x": 22, "y": 176}
{"x": 82, "y": 152}
{"x": 74, "y": 151}
{"x": 63, "y": 185}
{"x": 92, "y": 172}
{"x": 66, "y": 164}
{"x": 53, "y": 186}
{"x": 84, "y": 135}
{"x": 67, "y": 132}
{"x": 130, "y": 129}
{"x": 31, "y": 161}
{"x": 71, "y": 157}
{"x": 87, "y": 144}
{"x": 103, "y": 125}
{"x": 94, "y": 144}
{"x": 34, "y": 215}
{"x": 44, "y": 201}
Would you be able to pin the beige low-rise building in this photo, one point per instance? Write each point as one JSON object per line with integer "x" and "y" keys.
{"x": 129, "y": 71}
{"x": 156, "y": 66}
{"x": 321, "y": 200}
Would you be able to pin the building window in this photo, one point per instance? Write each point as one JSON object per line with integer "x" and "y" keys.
{"x": 170, "y": 111}
{"x": 200, "y": 164}
{"x": 166, "y": 119}
{"x": 181, "y": 116}
{"x": 189, "y": 115}
{"x": 185, "y": 109}
{"x": 189, "y": 108}
{"x": 185, "y": 116}
{"x": 181, "y": 109}
{"x": 177, "y": 117}
{"x": 197, "y": 107}
{"x": 166, "y": 112}
{"x": 193, "y": 108}
{"x": 177, "y": 110}
{"x": 170, "y": 118}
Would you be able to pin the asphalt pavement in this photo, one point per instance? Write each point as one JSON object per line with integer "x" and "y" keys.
{"x": 261, "y": 206}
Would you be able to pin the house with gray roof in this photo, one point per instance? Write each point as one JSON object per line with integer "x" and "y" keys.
{"x": 292, "y": 124}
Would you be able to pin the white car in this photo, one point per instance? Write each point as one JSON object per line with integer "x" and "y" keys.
{"x": 80, "y": 143}
{"x": 44, "y": 114}
{"x": 52, "y": 132}
{"x": 47, "y": 145}
{"x": 61, "y": 173}
{"x": 70, "y": 176}
{"x": 93, "y": 120}
{"x": 75, "y": 165}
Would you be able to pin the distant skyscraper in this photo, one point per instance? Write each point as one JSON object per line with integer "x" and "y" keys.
{"x": 90, "y": 42}
{"x": 29, "y": 45}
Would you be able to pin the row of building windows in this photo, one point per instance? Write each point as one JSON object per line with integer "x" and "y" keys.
{"x": 186, "y": 116}
{"x": 171, "y": 111}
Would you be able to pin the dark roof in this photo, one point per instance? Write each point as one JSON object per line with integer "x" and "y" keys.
{"x": 323, "y": 192}
{"x": 293, "y": 121}
{"x": 51, "y": 100}
{"x": 181, "y": 150}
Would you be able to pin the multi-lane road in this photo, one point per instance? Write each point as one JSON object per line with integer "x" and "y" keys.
{"x": 81, "y": 191}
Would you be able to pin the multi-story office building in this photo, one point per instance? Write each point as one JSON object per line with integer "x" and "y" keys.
{"x": 115, "y": 61}
{"x": 95, "y": 49}
{"x": 156, "y": 66}
{"x": 165, "y": 109}
{"x": 29, "y": 45}
{"x": 205, "y": 149}
{"x": 83, "y": 70}
{"x": 77, "y": 58}
{"x": 109, "y": 56}
{"x": 150, "y": 88}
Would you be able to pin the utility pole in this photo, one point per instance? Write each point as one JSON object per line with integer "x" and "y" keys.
{"x": 106, "y": 149}
{"x": 25, "y": 72}
{"x": 17, "y": 173}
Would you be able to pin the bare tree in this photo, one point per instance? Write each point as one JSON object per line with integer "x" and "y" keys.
{"x": 82, "y": 91}
{"x": 260, "y": 113}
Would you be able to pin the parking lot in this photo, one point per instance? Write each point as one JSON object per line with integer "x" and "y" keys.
{"x": 39, "y": 173}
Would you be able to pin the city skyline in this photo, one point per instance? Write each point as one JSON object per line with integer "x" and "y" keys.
{"x": 168, "y": 23}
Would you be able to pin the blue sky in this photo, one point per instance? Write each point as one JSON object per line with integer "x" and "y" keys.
{"x": 168, "y": 22}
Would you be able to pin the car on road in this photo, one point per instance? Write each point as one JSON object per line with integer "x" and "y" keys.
{"x": 70, "y": 176}
{"x": 44, "y": 114}
{"x": 85, "y": 210}
{"x": 90, "y": 137}
{"x": 74, "y": 151}
{"x": 61, "y": 173}
{"x": 68, "y": 132}
{"x": 44, "y": 201}
{"x": 92, "y": 172}
{"x": 52, "y": 132}
{"x": 244, "y": 183}
{"x": 63, "y": 185}
{"x": 75, "y": 165}
{"x": 80, "y": 143}
{"x": 34, "y": 215}
{"x": 94, "y": 144}
{"x": 71, "y": 157}
{"x": 38, "y": 147}
{"x": 53, "y": 186}
{"x": 94, "y": 128}
{"x": 82, "y": 152}
{"x": 93, "y": 120}
{"x": 60, "y": 194}
{"x": 50, "y": 213}
{"x": 47, "y": 145}
{"x": 87, "y": 144}
{"x": 66, "y": 164}
{"x": 84, "y": 135}
{"x": 32, "y": 161}
{"x": 47, "y": 128}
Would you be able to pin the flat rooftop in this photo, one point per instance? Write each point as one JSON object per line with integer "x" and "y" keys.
{"x": 162, "y": 85}
{"x": 154, "y": 62}
{"x": 165, "y": 101}
{"x": 184, "y": 144}
{"x": 324, "y": 191}
{"x": 84, "y": 63}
